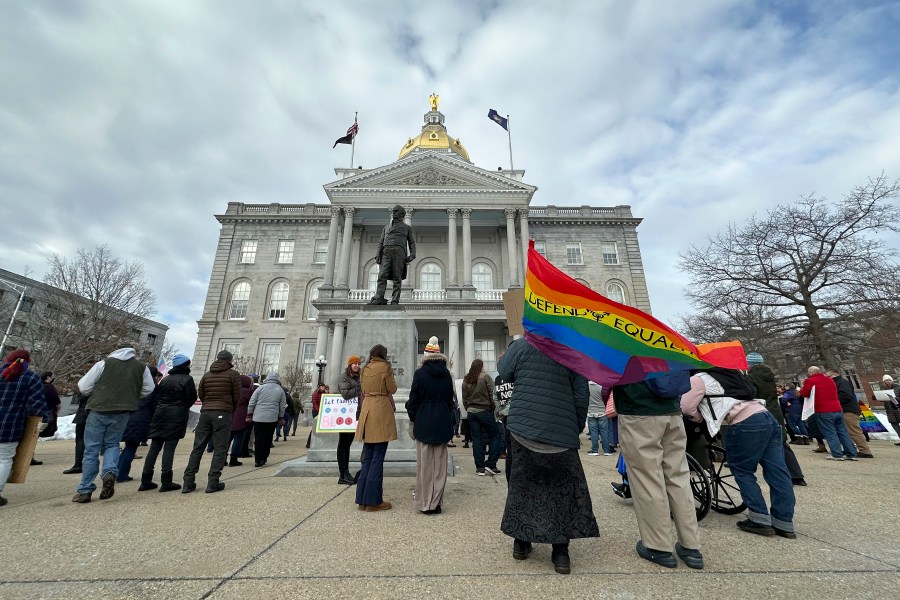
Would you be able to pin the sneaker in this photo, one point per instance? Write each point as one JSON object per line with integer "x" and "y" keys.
{"x": 212, "y": 488}
{"x": 621, "y": 490}
{"x": 821, "y": 449}
{"x": 480, "y": 472}
{"x": 607, "y": 454}
{"x": 757, "y": 528}
{"x": 109, "y": 486}
{"x": 492, "y": 470}
{"x": 829, "y": 457}
{"x": 853, "y": 458}
{"x": 691, "y": 558}
{"x": 785, "y": 533}
{"x": 521, "y": 550}
{"x": 663, "y": 559}
{"x": 593, "y": 454}
{"x": 81, "y": 498}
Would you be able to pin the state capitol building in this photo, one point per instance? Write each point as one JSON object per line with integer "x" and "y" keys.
{"x": 286, "y": 277}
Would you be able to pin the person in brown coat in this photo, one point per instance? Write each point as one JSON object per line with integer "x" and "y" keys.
{"x": 375, "y": 427}
{"x": 220, "y": 394}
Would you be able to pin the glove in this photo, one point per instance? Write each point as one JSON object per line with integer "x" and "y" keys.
{"x": 42, "y": 426}
{"x": 409, "y": 259}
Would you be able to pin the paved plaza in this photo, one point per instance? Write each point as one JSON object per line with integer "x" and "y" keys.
{"x": 277, "y": 537}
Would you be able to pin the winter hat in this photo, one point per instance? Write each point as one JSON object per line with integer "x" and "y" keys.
{"x": 353, "y": 359}
{"x": 754, "y": 358}
{"x": 433, "y": 346}
{"x": 180, "y": 359}
{"x": 225, "y": 355}
{"x": 887, "y": 378}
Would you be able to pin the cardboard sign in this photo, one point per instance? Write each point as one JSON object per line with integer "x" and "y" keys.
{"x": 336, "y": 415}
{"x": 24, "y": 451}
{"x": 514, "y": 305}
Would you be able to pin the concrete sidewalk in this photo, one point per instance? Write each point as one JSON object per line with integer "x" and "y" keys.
{"x": 274, "y": 537}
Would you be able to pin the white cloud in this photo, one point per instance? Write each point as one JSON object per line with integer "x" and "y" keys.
{"x": 134, "y": 123}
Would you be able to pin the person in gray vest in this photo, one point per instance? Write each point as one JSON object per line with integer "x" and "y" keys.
{"x": 392, "y": 257}
{"x": 220, "y": 393}
{"x": 115, "y": 385}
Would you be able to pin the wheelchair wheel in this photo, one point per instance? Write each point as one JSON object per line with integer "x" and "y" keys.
{"x": 700, "y": 488}
{"x": 726, "y": 495}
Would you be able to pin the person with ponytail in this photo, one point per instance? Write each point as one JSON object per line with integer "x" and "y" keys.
{"x": 21, "y": 396}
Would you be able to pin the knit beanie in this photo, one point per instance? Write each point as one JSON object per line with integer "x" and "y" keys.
{"x": 754, "y": 358}
{"x": 433, "y": 346}
{"x": 225, "y": 355}
{"x": 353, "y": 359}
{"x": 180, "y": 359}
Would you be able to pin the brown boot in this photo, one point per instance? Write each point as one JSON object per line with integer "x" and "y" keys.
{"x": 377, "y": 507}
{"x": 821, "y": 449}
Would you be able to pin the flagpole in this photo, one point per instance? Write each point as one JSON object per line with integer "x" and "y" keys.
{"x": 353, "y": 145}
{"x": 509, "y": 133}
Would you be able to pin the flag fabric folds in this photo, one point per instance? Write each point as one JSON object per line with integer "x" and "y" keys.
{"x": 351, "y": 133}
{"x": 605, "y": 341}
{"x": 161, "y": 367}
{"x": 494, "y": 116}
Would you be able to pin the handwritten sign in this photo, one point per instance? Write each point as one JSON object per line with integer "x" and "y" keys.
{"x": 336, "y": 415}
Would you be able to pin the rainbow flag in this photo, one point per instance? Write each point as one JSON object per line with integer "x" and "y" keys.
{"x": 605, "y": 341}
{"x": 868, "y": 421}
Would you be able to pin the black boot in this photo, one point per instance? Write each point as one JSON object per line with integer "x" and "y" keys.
{"x": 346, "y": 478}
{"x": 560, "y": 558}
{"x": 167, "y": 486}
{"x": 147, "y": 481}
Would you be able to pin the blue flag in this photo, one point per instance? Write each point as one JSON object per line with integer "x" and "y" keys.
{"x": 494, "y": 116}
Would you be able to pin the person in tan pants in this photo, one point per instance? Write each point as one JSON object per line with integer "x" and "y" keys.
{"x": 653, "y": 440}
{"x": 850, "y": 407}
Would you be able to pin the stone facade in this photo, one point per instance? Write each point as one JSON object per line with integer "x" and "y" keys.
{"x": 471, "y": 226}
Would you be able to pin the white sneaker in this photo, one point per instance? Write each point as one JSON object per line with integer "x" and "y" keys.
{"x": 829, "y": 457}
{"x": 491, "y": 471}
{"x": 850, "y": 458}
{"x": 607, "y": 454}
{"x": 593, "y": 454}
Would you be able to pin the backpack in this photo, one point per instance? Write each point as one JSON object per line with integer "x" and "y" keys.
{"x": 670, "y": 385}
{"x": 734, "y": 383}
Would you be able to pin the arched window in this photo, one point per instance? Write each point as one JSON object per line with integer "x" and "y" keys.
{"x": 482, "y": 276}
{"x": 583, "y": 282}
{"x": 278, "y": 299}
{"x": 311, "y": 311}
{"x": 240, "y": 298}
{"x": 430, "y": 277}
{"x": 615, "y": 291}
{"x": 373, "y": 276}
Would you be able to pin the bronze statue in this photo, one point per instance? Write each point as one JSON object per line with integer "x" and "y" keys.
{"x": 392, "y": 256}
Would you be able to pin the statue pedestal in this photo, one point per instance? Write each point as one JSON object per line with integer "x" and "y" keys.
{"x": 390, "y": 326}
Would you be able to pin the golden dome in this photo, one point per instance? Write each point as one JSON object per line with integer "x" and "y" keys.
{"x": 434, "y": 136}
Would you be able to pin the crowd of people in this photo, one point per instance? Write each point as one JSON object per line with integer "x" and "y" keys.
{"x": 531, "y": 414}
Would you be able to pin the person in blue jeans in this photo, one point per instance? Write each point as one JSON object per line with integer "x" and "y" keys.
{"x": 792, "y": 405}
{"x": 478, "y": 400}
{"x": 829, "y": 414}
{"x": 598, "y": 424}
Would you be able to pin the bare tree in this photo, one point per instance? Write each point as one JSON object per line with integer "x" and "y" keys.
{"x": 245, "y": 365}
{"x": 297, "y": 379}
{"x": 805, "y": 270}
{"x": 96, "y": 303}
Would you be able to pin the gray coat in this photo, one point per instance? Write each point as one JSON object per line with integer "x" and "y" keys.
{"x": 549, "y": 402}
{"x": 268, "y": 401}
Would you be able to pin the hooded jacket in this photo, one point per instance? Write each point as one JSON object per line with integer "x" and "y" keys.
{"x": 220, "y": 388}
{"x": 430, "y": 406}
{"x": 376, "y": 422}
{"x": 764, "y": 380}
{"x": 117, "y": 382}
{"x": 239, "y": 416}
{"x": 175, "y": 395}
{"x": 268, "y": 401}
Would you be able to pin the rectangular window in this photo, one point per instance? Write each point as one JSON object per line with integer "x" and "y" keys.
{"x": 308, "y": 356}
{"x": 610, "y": 253}
{"x": 27, "y": 304}
{"x": 151, "y": 339}
{"x": 285, "y": 251}
{"x": 866, "y": 364}
{"x": 18, "y": 328}
{"x": 248, "y": 251}
{"x": 233, "y": 347}
{"x": 484, "y": 349}
{"x": 320, "y": 255}
{"x": 136, "y": 334}
{"x": 573, "y": 253}
{"x": 540, "y": 247}
{"x": 269, "y": 357}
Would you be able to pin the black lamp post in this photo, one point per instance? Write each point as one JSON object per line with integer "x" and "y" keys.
{"x": 321, "y": 363}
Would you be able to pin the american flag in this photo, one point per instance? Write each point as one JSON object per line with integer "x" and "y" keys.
{"x": 351, "y": 133}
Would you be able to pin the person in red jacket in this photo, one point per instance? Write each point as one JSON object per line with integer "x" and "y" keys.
{"x": 829, "y": 415}
{"x": 316, "y": 400}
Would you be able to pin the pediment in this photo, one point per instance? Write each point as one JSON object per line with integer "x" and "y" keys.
{"x": 429, "y": 171}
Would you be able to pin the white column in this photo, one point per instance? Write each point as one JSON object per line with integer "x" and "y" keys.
{"x": 332, "y": 247}
{"x": 322, "y": 339}
{"x": 511, "y": 246}
{"x": 354, "y": 258}
{"x": 525, "y": 237}
{"x": 452, "y": 271}
{"x": 337, "y": 354}
{"x": 344, "y": 270}
{"x": 453, "y": 348}
{"x": 469, "y": 341}
{"x": 467, "y": 247}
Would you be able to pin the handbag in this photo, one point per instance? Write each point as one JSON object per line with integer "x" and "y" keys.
{"x": 611, "y": 408}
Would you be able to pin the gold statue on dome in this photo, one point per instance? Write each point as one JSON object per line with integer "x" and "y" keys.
{"x": 434, "y": 99}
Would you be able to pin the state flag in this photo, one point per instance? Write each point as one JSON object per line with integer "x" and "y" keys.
{"x": 494, "y": 116}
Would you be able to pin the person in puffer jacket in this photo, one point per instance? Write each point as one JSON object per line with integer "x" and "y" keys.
{"x": 266, "y": 409}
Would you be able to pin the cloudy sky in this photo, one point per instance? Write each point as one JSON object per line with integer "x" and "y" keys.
{"x": 133, "y": 123}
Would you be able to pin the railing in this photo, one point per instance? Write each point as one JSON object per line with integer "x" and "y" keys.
{"x": 489, "y": 294}
{"x": 426, "y": 295}
{"x": 429, "y": 295}
{"x": 361, "y": 294}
